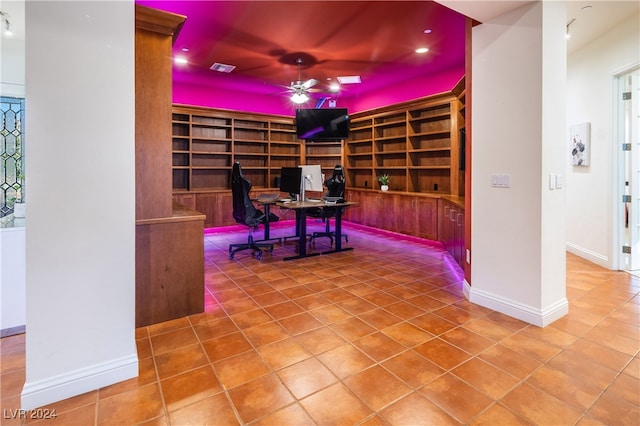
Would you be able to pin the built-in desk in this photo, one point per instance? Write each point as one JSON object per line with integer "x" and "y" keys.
{"x": 169, "y": 266}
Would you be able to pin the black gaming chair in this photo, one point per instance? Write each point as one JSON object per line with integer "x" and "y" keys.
{"x": 245, "y": 213}
{"x": 335, "y": 189}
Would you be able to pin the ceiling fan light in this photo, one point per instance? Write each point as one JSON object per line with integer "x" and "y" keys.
{"x": 299, "y": 98}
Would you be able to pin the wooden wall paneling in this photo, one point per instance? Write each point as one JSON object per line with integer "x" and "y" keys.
{"x": 224, "y": 209}
{"x": 404, "y": 213}
{"x": 153, "y": 143}
{"x": 388, "y": 209}
{"x": 451, "y": 228}
{"x": 153, "y": 42}
{"x": 354, "y": 214}
{"x": 206, "y": 204}
{"x": 170, "y": 284}
{"x": 407, "y": 215}
{"x": 427, "y": 218}
{"x": 186, "y": 199}
{"x": 371, "y": 202}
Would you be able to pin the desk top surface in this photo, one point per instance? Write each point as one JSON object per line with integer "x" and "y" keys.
{"x": 309, "y": 204}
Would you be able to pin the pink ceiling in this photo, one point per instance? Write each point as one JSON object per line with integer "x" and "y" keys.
{"x": 263, "y": 39}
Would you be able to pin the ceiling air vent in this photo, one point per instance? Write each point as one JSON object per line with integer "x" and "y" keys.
{"x": 349, "y": 79}
{"x": 222, "y": 67}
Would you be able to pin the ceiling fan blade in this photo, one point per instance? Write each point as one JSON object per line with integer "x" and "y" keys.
{"x": 310, "y": 83}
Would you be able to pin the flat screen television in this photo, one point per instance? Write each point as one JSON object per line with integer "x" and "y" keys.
{"x": 322, "y": 124}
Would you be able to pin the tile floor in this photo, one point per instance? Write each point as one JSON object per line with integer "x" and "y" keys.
{"x": 378, "y": 335}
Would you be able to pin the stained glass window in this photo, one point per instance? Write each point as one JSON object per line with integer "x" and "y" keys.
{"x": 11, "y": 153}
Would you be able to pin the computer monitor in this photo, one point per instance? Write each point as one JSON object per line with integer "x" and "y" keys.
{"x": 290, "y": 180}
{"x": 312, "y": 177}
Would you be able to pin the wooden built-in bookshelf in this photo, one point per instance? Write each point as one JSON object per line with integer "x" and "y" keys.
{"x": 416, "y": 143}
{"x": 206, "y": 143}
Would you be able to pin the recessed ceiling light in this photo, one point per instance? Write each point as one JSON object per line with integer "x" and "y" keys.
{"x": 185, "y": 49}
{"x": 427, "y": 31}
{"x": 422, "y": 50}
{"x": 349, "y": 79}
{"x": 334, "y": 87}
{"x": 180, "y": 60}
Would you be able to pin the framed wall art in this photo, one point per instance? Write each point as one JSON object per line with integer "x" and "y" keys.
{"x": 580, "y": 135}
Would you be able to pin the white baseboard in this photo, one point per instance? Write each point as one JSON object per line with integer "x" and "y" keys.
{"x": 535, "y": 316}
{"x": 466, "y": 289}
{"x": 41, "y": 392}
{"x": 591, "y": 256}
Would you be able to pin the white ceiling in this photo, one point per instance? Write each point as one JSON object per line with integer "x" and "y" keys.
{"x": 483, "y": 10}
{"x": 589, "y": 24}
{"x": 602, "y": 16}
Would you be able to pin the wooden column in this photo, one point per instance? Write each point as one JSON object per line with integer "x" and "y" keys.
{"x": 169, "y": 237}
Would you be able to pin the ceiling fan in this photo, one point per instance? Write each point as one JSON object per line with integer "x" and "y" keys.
{"x": 300, "y": 89}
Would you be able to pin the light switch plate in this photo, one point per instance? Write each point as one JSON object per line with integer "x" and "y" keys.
{"x": 500, "y": 181}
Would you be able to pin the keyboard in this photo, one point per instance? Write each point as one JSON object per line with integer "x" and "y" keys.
{"x": 334, "y": 199}
{"x": 268, "y": 197}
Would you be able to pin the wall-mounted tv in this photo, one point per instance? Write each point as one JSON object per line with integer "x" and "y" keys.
{"x": 322, "y": 124}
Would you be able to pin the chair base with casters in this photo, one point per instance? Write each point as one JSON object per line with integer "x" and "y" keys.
{"x": 245, "y": 213}
{"x": 271, "y": 218}
{"x": 251, "y": 244}
{"x": 327, "y": 233}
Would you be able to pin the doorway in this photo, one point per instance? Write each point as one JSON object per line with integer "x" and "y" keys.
{"x": 627, "y": 139}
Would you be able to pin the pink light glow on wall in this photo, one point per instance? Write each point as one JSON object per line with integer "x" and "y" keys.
{"x": 279, "y": 103}
{"x": 416, "y": 88}
{"x": 213, "y": 97}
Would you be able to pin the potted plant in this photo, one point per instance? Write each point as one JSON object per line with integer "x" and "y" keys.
{"x": 384, "y": 182}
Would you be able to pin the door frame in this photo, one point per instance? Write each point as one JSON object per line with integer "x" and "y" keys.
{"x": 618, "y": 169}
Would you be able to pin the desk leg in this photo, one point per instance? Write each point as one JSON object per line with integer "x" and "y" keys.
{"x": 267, "y": 225}
{"x": 338, "y": 225}
{"x": 267, "y": 211}
{"x": 302, "y": 237}
{"x": 301, "y": 231}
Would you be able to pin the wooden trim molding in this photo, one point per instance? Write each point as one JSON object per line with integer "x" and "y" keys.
{"x": 159, "y": 21}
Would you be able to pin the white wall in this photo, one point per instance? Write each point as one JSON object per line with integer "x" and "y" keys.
{"x": 518, "y": 245}
{"x": 12, "y": 68}
{"x": 12, "y": 279}
{"x": 12, "y": 51}
{"x": 80, "y": 238}
{"x": 590, "y": 190}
